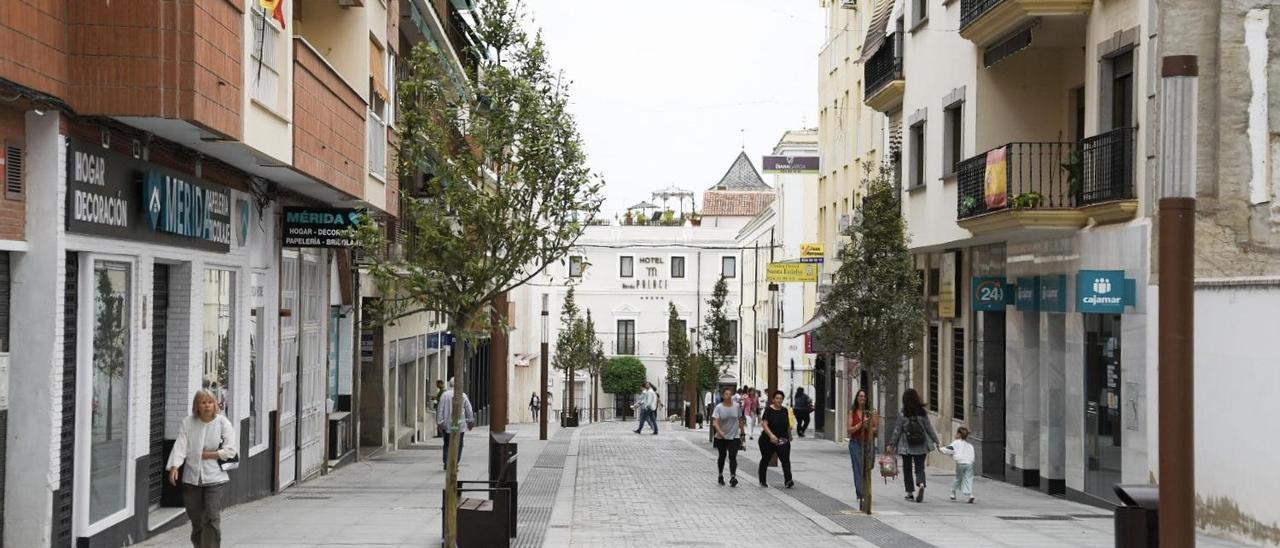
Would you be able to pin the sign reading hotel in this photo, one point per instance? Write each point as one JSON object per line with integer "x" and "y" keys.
{"x": 319, "y": 227}
{"x": 115, "y": 195}
{"x": 791, "y": 272}
{"x": 791, "y": 164}
{"x": 812, "y": 253}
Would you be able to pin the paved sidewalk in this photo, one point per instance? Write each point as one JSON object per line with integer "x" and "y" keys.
{"x": 387, "y": 500}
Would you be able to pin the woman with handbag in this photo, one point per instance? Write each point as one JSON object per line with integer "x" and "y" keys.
{"x": 204, "y": 442}
{"x": 728, "y": 423}
{"x": 777, "y": 439}
{"x": 913, "y": 438}
{"x": 862, "y": 432}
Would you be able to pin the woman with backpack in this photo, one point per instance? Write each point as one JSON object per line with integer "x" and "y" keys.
{"x": 913, "y": 438}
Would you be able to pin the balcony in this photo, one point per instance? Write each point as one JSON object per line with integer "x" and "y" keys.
{"x": 329, "y": 132}
{"x": 984, "y": 22}
{"x": 1037, "y": 191}
{"x": 1107, "y": 175}
{"x": 883, "y": 81}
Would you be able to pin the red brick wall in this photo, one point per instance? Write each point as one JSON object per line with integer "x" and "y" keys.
{"x": 33, "y": 44}
{"x": 328, "y": 123}
{"x": 13, "y": 213}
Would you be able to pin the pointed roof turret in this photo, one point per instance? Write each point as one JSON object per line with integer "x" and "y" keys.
{"x": 742, "y": 175}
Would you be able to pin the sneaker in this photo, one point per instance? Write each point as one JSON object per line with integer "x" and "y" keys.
{"x": 920, "y": 494}
{"x": 636, "y": 431}
{"x": 971, "y": 499}
{"x": 953, "y": 495}
{"x": 720, "y": 479}
{"x": 733, "y": 482}
{"x": 763, "y": 484}
{"x": 444, "y": 467}
{"x": 911, "y": 495}
{"x": 790, "y": 484}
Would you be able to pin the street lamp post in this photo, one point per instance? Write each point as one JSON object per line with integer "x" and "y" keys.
{"x": 772, "y": 376}
{"x": 542, "y": 363}
{"x": 1176, "y": 220}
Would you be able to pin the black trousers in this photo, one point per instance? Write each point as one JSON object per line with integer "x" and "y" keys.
{"x": 802, "y": 421}
{"x": 727, "y": 448}
{"x": 909, "y": 462}
{"x": 767, "y": 451}
{"x": 448, "y": 438}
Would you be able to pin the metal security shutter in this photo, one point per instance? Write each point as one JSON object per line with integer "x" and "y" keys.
{"x": 4, "y": 303}
{"x": 66, "y": 442}
{"x": 159, "y": 346}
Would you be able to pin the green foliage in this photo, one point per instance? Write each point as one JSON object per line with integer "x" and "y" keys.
{"x": 721, "y": 343}
{"x": 677, "y": 346}
{"x": 1027, "y": 200}
{"x": 708, "y": 373}
{"x": 622, "y": 375}
{"x": 874, "y": 312}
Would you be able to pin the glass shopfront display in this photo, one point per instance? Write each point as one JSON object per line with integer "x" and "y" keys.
{"x": 1102, "y": 405}
{"x": 219, "y": 288}
{"x": 109, "y": 434}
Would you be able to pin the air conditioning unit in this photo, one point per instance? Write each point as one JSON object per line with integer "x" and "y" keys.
{"x": 844, "y": 222}
{"x": 848, "y": 4}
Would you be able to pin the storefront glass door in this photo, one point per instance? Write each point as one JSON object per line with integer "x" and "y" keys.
{"x": 1102, "y": 405}
{"x": 109, "y": 434}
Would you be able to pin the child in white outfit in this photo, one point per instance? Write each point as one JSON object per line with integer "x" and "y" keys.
{"x": 962, "y": 451}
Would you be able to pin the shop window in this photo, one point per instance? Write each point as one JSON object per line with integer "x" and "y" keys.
{"x": 957, "y": 374}
{"x": 934, "y": 373}
{"x": 216, "y": 377}
{"x": 257, "y": 431}
{"x": 109, "y": 431}
{"x": 405, "y": 411}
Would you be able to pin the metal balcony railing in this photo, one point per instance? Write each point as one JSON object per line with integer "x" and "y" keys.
{"x": 972, "y": 10}
{"x": 1036, "y": 176}
{"x": 883, "y": 67}
{"x": 1106, "y": 166}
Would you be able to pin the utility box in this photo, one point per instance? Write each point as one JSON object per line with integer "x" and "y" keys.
{"x": 1138, "y": 516}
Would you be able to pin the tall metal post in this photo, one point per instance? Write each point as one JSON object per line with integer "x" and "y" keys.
{"x": 772, "y": 375}
{"x": 542, "y": 364}
{"x": 1176, "y": 241}
{"x": 501, "y": 448}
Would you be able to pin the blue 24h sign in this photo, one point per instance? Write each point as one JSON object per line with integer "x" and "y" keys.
{"x": 1104, "y": 292}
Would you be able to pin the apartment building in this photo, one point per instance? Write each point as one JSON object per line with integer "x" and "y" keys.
{"x": 156, "y": 154}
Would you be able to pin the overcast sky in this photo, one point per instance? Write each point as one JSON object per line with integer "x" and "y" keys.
{"x": 666, "y": 91}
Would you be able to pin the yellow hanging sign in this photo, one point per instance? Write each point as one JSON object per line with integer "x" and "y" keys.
{"x": 791, "y": 272}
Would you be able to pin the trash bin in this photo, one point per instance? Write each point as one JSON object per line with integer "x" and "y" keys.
{"x": 1137, "y": 516}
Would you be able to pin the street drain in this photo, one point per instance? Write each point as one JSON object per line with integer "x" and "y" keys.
{"x": 309, "y": 497}
{"x": 1036, "y": 518}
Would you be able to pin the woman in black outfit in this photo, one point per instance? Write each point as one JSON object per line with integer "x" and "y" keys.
{"x": 776, "y": 439}
{"x": 913, "y": 438}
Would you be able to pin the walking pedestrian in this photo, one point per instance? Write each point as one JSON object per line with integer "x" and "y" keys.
{"x": 435, "y": 402}
{"x": 708, "y": 402}
{"x": 535, "y": 405}
{"x": 803, "y": 407}
{"x": 962, "y": 451}
{"x": 751, "y": 409}
{"x": 913, "y": 438}
{"x": 862, "y": 432}
{"x": 450, "y": 426}
{"x": 648, "y": 408}
{"x": 206, "y": 437}
{"x": 727, "y": 420}
{"x": 776, "y": 423}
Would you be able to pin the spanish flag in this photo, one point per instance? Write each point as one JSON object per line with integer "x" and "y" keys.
{"x": 275, "y": 8}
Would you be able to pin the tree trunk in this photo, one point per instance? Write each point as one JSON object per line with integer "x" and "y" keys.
{"x": 868, "y": 450}
{"x": 572, "y": 407}
{"x": 457, "y": 321}
{"x": 691, "y": 396}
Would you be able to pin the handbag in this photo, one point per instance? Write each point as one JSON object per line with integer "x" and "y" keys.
{"x": 230, "y": 464}
{"x": 888, "y": 465}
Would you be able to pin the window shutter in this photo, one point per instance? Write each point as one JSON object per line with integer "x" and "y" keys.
{"x": 13, "y": 171}
{"x": 378, "y": 71}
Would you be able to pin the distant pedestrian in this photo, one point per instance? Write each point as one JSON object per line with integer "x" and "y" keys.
{"x": 737, "y": 395}
{"x": 962, "y": 451}
{"x": 803, "y": 407}
{"x": 777, "y": 439}
{"x": 913, "y": 438}
{"x": 450, "y": 426}
{"x": 862, "y": 431}
{"x": 727, "y": 421}
{"x": 648, "y": 408}
{"x": 205, "y": 438}
{"x": 535, "y": 405}
{"x": 708, "y": 401}
{"x": 751, "y": 409}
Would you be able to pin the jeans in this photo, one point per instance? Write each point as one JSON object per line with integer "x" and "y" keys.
{"x": 534, "y": 410}
{"x": 650, "y": 416}
{"x": 767, "y": 451}
{"x": 727, "y": 448}
{"x": 855, "y": 457}
{"x": 964, "y": 479}
{"x": 802, "y": 420}
{"x": 448, "y": 438}
{"x": 204, "y": 508}
{"x": 911, "y": 480}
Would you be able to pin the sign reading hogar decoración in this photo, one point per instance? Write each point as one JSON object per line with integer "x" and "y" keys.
{"x": 319, "y": 227}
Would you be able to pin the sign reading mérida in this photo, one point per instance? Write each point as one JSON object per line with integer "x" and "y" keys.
{"x": 319, "y": 227}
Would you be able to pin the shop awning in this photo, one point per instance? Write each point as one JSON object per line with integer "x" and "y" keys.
{"x": 814, "y": 323}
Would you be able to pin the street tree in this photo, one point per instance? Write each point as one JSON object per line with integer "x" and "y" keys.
{"x": 572, "y": 348}
{"x": 874, "y": 312}
{"x": 506, "y": 190}
{"x": 681, "y": 367}
{"x": 721, "y": 343}
{"x": 623, "y": 375}
{"x": 594, "y": 363}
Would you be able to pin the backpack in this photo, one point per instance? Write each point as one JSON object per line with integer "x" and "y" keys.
{"x": 915, "y": 432}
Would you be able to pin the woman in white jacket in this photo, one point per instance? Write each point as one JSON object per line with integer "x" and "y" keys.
{"x": 206, "y": 437}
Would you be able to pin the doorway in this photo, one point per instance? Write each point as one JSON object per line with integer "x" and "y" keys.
{"x": 1102, "y": 420}
{"x": 991, "y": 386}
{"x": 159, "y": 360}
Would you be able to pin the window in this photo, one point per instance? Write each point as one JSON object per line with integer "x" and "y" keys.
{"x": 732, "y": 334}
{"x": 1121, "y": 90}
{"x": 378, "y": 100}
{"x": 109, "y": 432}
{"x": 919, "y": 12}
{"x": 405, "y": 380}
{"x": 953, "y": 137}
{"x": 626, "y": 267}
{"x": 915, "y": 164}
{"x": 957, "y": 374}
{"x": 935, "y": 279}
{"x": 266, "y": 60}
{"x": 218, "y": 291}
{"x": 256, "y": 339}
{"x": 677, "y": 267}
{"x": 933, "y": 368}
{"x": 575, "y": 267}
{"x": 729, "y": 267}
{"x": 626, "y": 337}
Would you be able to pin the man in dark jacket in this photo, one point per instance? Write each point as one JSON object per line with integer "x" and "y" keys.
{"x": 803, "y": 407}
